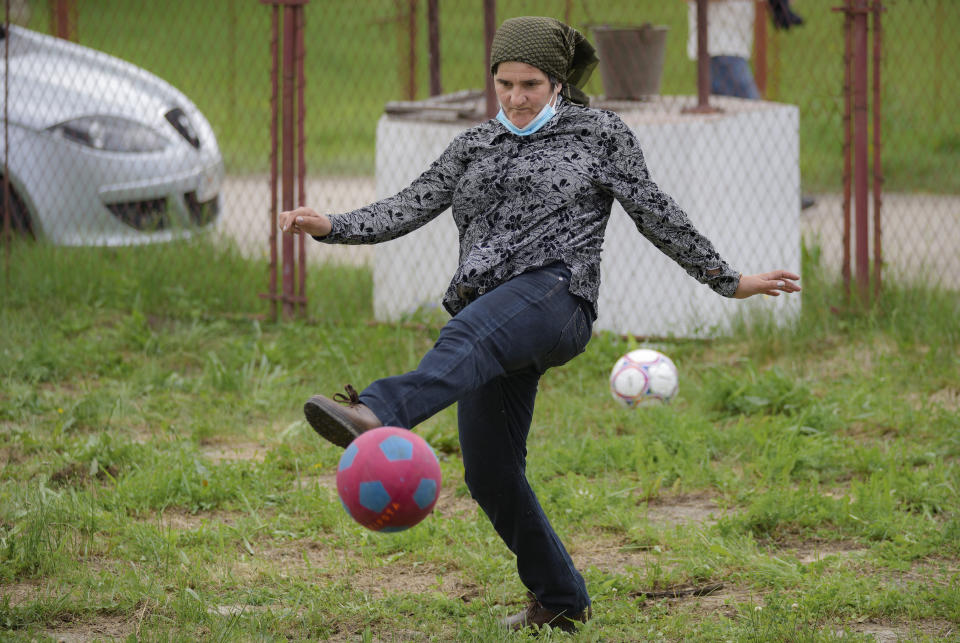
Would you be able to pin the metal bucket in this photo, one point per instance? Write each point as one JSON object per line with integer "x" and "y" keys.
{"x": 631, "y": 60}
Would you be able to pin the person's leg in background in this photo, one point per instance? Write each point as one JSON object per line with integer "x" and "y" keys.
{"x": 732, "y": 76}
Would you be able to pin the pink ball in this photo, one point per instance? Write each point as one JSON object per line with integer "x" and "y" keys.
{"x": 388, "y": 479}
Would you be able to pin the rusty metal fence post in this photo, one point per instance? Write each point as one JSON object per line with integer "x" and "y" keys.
{"x": 489, "y": 28}
{"x": 7, "y": 231}
{"x": 300, "y": 17}
{"x": 857, "y": 119}
{"x": 877, "y": 9}
{"x": 405, "y": 21}
{"x": 703, "y": 57}
{"x": 63, "y": 19}
{"x": 760, "y": 46}
{"x": 847, "y": 146}
{"x": 859, "y": 26}
{"x": 703, "y": 63}
{"x": 287, "y": 50}
{"x": 433, "y": 46}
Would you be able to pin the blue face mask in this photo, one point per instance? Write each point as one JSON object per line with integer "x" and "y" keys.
{"x": 541, "y": 119}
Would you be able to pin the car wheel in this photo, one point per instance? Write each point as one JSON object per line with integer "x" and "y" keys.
{"x": 20, "y": 223}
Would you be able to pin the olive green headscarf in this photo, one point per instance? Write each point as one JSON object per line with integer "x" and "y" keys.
{"x": 552, "y": 47}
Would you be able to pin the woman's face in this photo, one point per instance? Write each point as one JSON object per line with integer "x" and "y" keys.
{"x": 522, "y": 90}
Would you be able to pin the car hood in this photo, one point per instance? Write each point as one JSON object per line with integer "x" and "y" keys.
{"x": 53, "y": 80}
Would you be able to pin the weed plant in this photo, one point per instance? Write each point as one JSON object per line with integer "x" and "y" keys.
{"x": 159, "y": 482}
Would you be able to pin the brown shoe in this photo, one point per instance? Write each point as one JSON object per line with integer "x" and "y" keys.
{"x": 341, "y": 419}
{"x": 537, "y": 615}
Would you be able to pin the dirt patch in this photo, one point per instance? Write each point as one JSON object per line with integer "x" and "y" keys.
{"x": 323, "y": 481}
{"x": 402, "y": 578}
{"x": 811, "y": 550}
{"x": 895, "y": 632}
{"x": 947, "y": 398}
{"x": 450, "y": 505}
{"x": 723, "y": 601}
{"x": 683, "y": 510}
{"x": 926, "y": 573}
{"x": 104, "y": 628}
{"x": 77, "y": 474}
{"x": 19, "y": 593}
{"x": 178, "y": 519}
{"x": 614, "y": 555}
{"x": 313, "y": 560}
{"x": 618, "y": 555}
{"x": 235, "y": 610}
{"x": 392, "y": 634}
{"x": 249, "y": 451}
{"x": 10, "y": 455}
{"x": 843, "y": 358}
{"x": 300, "y": 559}
{"x": 307, "y": 555}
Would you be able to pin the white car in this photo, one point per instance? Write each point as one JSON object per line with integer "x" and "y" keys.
{"x": 102, "y": 152}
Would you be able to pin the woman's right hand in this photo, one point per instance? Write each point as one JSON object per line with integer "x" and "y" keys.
{"x": 305, "y": 220}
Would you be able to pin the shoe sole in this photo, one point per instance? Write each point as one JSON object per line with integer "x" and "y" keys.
{"x": 322, "y": 416}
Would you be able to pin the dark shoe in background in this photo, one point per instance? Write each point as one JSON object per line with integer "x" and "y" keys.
{"x": 341, "y": 419}
{"x": 783, "y": 15}
{"x": 536, "y": 615}
{"x": 807, "y": 201}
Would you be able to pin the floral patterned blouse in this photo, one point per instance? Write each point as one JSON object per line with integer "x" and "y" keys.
{"x": 525, "y": 202}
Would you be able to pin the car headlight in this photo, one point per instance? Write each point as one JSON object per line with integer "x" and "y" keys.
{"x": 181, "y": 122}
{"x": 110, "y": 134}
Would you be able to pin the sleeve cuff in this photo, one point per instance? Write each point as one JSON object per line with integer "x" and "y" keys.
{"x": 726, "y": 282}
{"x": 334, "y": 235}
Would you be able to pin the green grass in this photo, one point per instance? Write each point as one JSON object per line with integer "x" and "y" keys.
{"x": 218, "y": 54}
{"x": 159, "y": 482}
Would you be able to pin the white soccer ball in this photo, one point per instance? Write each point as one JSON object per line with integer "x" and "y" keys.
{"x": 642, "y": 377}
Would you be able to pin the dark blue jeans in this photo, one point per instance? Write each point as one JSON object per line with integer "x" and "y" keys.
{"x": 489, "y": 359}
{"x": 731, "y": 76}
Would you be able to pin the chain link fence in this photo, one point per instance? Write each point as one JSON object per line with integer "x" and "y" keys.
{"x": 919, "y": 142}
{"x": 155, "y": 128}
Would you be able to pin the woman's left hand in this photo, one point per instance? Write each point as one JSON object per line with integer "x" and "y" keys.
{"x": 305, "y": 220}
{"x": 767, "y": 283}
